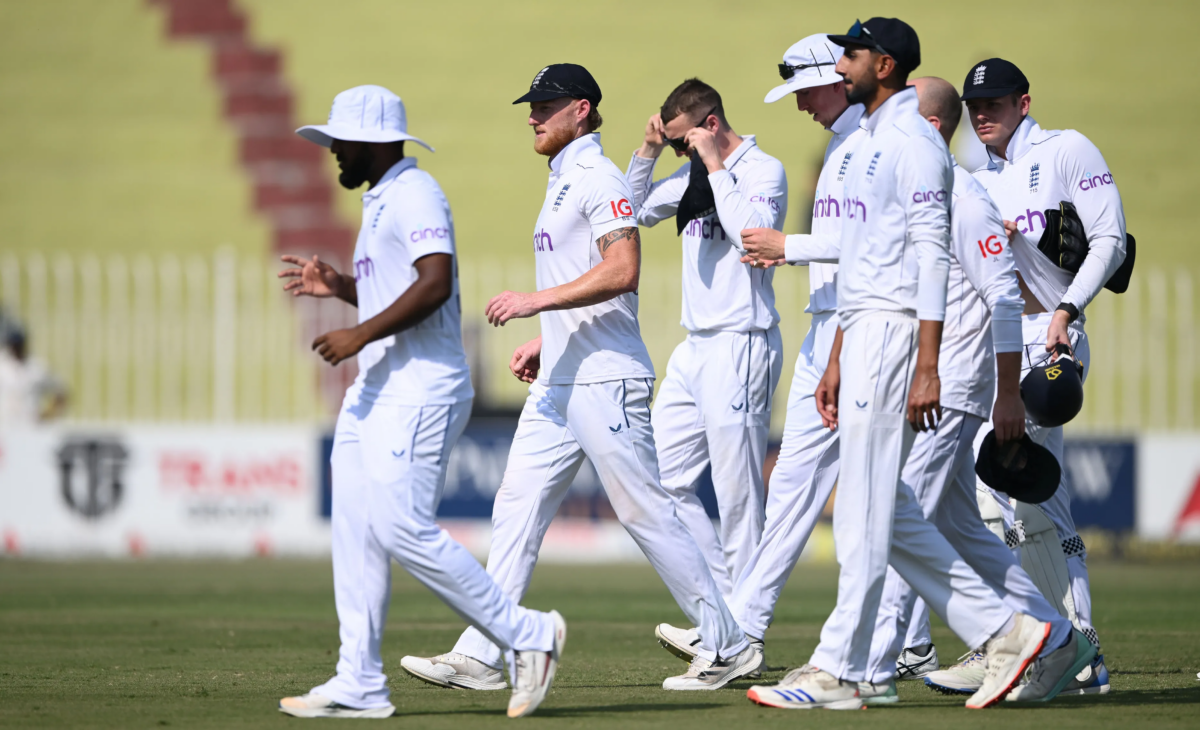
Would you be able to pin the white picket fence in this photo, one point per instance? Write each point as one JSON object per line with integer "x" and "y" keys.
{"x": 166, "y": 339}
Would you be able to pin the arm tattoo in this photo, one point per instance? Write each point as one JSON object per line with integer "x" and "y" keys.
{"x": 620, "y": 234}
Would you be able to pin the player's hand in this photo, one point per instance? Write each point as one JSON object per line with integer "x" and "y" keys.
{"x": 704, "y": 143}
{"x": 827, "y": 395}
{"x": 527, "y": 360}
{"x": 925, "y": 400}
{"x": 756, "y": 264}
{"x": 1008, "y": 416}
{"x": 1056, "y": 334}
{"x": 339, "y": 345}
{"x": 511, "y": 305}
{"x": 314, "y": 278}
{"x": 655, "y": 139}
{"x": 1010, "y": 229}
{"x": 763, "y": 244}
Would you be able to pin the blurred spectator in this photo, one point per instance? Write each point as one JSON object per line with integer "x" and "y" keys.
{"x": 29, "y": 392}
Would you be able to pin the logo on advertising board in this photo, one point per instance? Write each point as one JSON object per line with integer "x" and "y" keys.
{"x": 223, "y": 488}
{"x": 91, "y": 475}
{"x": 1100, "y": 476}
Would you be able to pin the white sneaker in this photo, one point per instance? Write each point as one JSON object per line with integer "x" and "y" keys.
{"x": 913, "y": 665}
{"x": 878, "y": 694}
{"x": 315, "y": 705}
{"x": 1007, "y": 658}
{"x": 683, "y": 643}
{"x": 456, "y": 671}
{"x": 761, "y": 650}
{"x": 535, "y": 672}
{"x": 806, "y": 688}
{"x": 703, "y": 674}
{"x": 966, "y": 677}
{"x": 1052, "y": 673}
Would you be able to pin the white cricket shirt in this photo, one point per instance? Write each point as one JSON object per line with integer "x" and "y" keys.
{"x": 1043, "y": 168}
{"x": 983, "y": 300}
{"x": 823, "y": 244}
{"x": 587, "y": 197}
{"x": 895, "y": 253}
{"x": 406, "y": 217}
{"x": 719, "y": 291}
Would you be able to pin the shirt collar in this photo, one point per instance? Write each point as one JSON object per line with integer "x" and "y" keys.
{"x": 740, "y": 151}
{"x": 850, "y": 120}
{"x": 1027, "y": 134}
{"x": 586, "y": 146}
{"x": 898, "y": 104}
{"x": 392, "y": 173}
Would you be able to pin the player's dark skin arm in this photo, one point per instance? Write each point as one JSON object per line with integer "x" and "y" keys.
{"x": 433, "y": 287}
{"x": 925, "y": 396}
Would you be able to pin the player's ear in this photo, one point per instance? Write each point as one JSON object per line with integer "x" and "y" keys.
{"x": 1023, "y": 101}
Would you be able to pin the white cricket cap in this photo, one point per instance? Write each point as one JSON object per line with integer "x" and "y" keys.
{"x": 811, "y": 63}
{"x": 363, "y": 114}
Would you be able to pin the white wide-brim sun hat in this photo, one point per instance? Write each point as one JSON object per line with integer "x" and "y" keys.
{"x": 363, "y": 114}
{"x": 812, "y": 62}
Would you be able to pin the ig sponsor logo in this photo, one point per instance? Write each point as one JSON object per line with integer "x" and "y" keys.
{"x": 991, "y": 245}
{"x": 621, "y": 208}
{"x": 542, "y": 241}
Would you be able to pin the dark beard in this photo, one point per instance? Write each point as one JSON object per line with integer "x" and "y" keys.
{"x": 858, "y": 94}
{"x": 355, "y": 173}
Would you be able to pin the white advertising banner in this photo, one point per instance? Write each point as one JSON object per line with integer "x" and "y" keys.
{"x": 1168, "y": 487}
{"x": 161, "y": 490}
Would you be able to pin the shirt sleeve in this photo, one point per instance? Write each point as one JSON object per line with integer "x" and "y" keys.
{"x": 421, "y": 222}
{"x": 981, "y": 248}
{"x": 761, "y": 202}
{"x": 924, "y": 181}
{"x": 802, "y": 249}
{"x": 608, "y": 205}
{"x": 1095, "y": 195}
{"x": 654, "y": 202}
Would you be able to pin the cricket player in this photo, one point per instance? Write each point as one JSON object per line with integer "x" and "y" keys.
{"x": 714, "y": 406}
{"x": 893, "y": 271}
{"x": 400, "y": 418}
{"x": 980, "y": 356}
{"x": 590, "y": 387}
{"x": 806, "y": 469}
{"x": 1030, "y": 170}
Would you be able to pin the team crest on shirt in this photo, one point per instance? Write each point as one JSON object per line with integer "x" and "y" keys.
{"x": 871, "y": 167}
{"x": 845, "y": 164}
{"x": 375, "y": 220}
{"x": 561, "y": 194}
{"x": 1034, "y": 176}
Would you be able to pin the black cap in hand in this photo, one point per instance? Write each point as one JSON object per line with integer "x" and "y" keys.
{"x": 563, "y": 79}
{"x": 889, "y": 36}
{"x": 992, "y": 78}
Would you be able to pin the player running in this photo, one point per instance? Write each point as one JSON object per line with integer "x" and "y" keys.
{"x": 1029, "y": 171}
{"x": 590, "y": 387}
{"x": 714, "y": 406}
{"x": 893, "y": 271}
{"x": 400, "y": 418}
{"x": 983, "y": 316}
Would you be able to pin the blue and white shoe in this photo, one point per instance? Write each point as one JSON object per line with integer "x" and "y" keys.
{"x": 966, "y": 677}
{"x": 1093, "y": 680}
{"x": 807, "y": 688}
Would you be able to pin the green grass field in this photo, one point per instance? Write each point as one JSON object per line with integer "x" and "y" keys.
{"x": 201, "y": 644}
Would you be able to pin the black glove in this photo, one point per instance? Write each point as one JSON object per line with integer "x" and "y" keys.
{"x": 698, "y": 200}
{"x": 1120, "y": 278}
{"x": 1064, "y": 241}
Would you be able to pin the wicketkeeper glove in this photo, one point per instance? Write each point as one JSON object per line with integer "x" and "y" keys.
{"x": 1064, "y": 241}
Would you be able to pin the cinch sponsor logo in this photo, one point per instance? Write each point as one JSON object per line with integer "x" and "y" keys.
{"x": 924, "y": 196}
{"x": 363, "y": 268}
{"x": 424, "y": 233}
{"x": 992, "y": 245}
{"x": 856, "y": 210}
{"x": 1028, "y": 218}
{"x": 764, "y": 199}
{"x": 705, "y": 229}
{"x": 827, "y": 207}
{"x": 542, "y": 241}
{"x": 1090, "y": 181}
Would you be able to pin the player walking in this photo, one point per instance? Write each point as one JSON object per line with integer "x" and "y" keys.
{"x": 400, "y": 418}
{"x": 983, "y": 316}
{"x": 893, "y": 272}
{"x": 1030, "y": 170}
{"x": 591, "y": 382}
{"x": 714, "y": 406}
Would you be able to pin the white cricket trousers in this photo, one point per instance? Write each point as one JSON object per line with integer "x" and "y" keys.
{"x": 609, "y": 423}
{"x": 1058, "y": 507}
{"x": 714, "y": 407}
{"x": 801, "y": 483}
{"x": 941, "y": 473}
{"x": 876, "y": 518}
{"x": 389, "y": 468}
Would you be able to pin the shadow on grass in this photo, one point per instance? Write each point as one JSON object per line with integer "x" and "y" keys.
{"x": 573, "y": 711}
{"x": 1117, "y": 698}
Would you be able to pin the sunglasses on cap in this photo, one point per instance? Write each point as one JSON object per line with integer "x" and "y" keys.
{"x": 859, "y": 32}
{"x": 678, "y": 143}
{"x": 787, "y": 71}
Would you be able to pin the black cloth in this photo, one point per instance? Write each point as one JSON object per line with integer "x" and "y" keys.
{"x": 563, "y": 79}
{"x": 1021, "y": 469}
{"x": 698, "y": 200}
{"x": 890, "y": 36}
{"x": 994, "y": 77}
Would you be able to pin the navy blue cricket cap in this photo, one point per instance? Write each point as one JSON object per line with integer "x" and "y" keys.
{"x": 889, "y": 36}
{"x": 992, "y": 78}
{"x": 563, "y": 79}
{"x": 1021, "y": 469}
